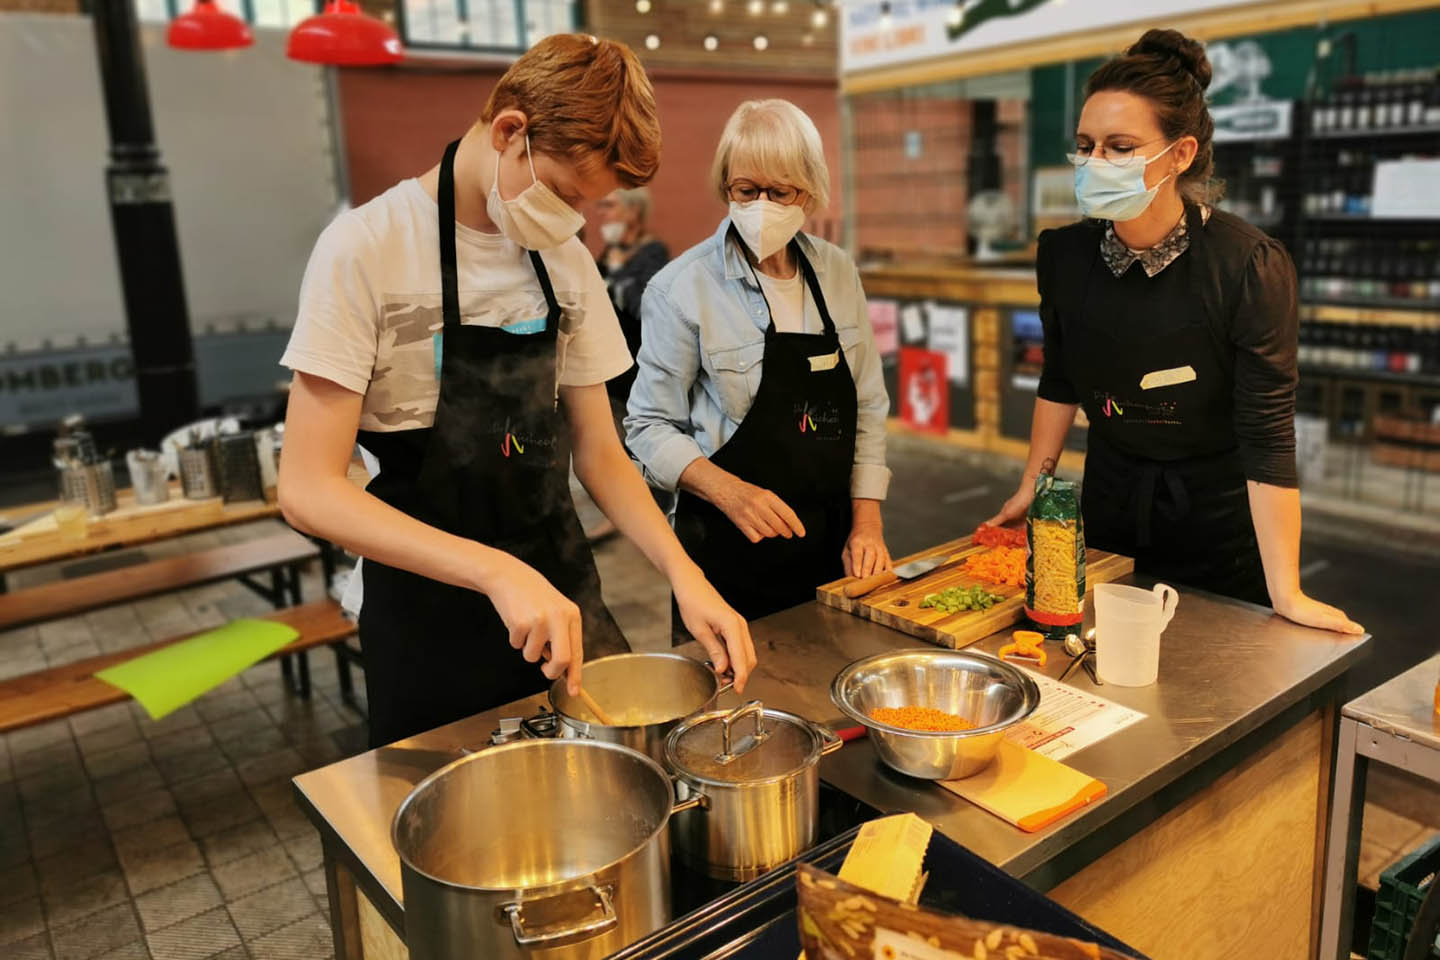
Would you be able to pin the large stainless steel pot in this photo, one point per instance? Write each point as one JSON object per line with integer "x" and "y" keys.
{"x": 755, "y": 772}
{"x": 540, "y": 848}
{"x": 647, "y": 693}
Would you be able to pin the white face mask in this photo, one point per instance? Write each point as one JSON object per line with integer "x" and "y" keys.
{"x": 537, "y": 219}
{"x": 766, "y": 226}
{"x": 1110, "y": 192}
{"x": 612, "y": 233}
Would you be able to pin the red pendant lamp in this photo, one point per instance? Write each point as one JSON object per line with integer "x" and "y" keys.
{"x": 207, "y": 27}
{"x": 344, "y": 36}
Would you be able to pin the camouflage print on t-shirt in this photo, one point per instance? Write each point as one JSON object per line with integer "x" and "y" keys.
{"x": 403, "y": 390}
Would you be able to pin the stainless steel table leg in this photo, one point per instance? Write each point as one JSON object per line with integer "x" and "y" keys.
{"x": 1342, "y": 847}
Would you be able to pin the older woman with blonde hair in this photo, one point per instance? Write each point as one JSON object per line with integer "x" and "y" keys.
{"x": 759, "y": 397}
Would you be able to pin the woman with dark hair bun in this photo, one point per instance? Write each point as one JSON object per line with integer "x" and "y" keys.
{"x": 1175, "y": 325}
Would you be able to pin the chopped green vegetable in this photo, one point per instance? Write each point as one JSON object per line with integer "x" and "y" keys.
{"x": 956, "y": 599}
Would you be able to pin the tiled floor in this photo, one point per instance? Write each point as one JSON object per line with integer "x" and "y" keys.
{"x": 121, "y": 837}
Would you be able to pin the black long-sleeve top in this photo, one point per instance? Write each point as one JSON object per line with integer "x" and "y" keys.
{"x": 1241, "y": 289}
{"x": 626, "y": 284}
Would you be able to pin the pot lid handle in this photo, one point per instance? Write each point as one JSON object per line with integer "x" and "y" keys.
{"x": 731, "y": 751}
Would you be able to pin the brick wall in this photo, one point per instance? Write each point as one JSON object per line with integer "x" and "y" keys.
{"x": 397, "y": 121}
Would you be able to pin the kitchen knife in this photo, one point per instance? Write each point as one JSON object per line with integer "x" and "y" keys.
{"x": 906, "y": 571}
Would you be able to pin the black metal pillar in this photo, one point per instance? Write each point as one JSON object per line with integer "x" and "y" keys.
{"x": 146, "y": 244}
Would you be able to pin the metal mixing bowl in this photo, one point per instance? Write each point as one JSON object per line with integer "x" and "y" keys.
{"x": 988, "y": 692}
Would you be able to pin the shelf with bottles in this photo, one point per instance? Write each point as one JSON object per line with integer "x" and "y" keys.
{"x": 1371, "y": 351}
{"x": 1340, "y": 187}
{"x": 1387, "y": 271}
{"x": 1400, "y": 103}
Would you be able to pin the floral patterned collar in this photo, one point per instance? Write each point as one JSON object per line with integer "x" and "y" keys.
{"x": 1119, "y": 257}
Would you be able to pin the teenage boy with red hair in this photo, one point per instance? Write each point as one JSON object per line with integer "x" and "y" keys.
{"x": 460, "y": 331}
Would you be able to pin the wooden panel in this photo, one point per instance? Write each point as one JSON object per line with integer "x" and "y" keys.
{"x": 77, "y": 595}
{"x": 1206, "y": 26}
{"x": 377, "y": 940}
{"x": 898, "y": 605}
{"x": 682, "y": 26}
{"x": 61, "y": 691}
{"x": 1228, "y": 873}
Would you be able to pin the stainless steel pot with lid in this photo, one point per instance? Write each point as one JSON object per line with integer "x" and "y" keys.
{"x": 646, "y": 693}
{"x": 539, "y": 848}
{"x": 755, "y": 772}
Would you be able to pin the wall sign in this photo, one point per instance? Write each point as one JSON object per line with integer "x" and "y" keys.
{"x": 924, "y": 390}
{"x": 922, "y": 29}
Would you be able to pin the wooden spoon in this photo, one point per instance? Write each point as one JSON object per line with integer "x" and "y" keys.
{"x": 594, "y": 708}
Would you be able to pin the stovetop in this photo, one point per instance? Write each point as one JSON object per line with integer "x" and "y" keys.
{"x": 691, "y": 889}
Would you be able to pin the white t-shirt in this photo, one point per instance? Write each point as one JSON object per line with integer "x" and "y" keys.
{"x": 370, "y": 306}
{"x": 787, "y": 301}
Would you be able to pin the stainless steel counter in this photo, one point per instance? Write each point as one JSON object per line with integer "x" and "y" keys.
{"x": 1227, "y": 669}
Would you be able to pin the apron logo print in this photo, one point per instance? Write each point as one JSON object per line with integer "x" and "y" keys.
{"x": 511, "y": 441}
{"x": 806, "y": 421}
{"x": 1112, "y": 407}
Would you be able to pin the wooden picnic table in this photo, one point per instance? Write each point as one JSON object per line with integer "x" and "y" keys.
{"x": 37, "y": 538}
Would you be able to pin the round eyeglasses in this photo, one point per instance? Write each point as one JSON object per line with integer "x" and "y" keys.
{"x": 1117, "y": 155}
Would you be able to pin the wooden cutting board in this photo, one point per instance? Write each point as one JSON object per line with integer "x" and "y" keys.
{"x": 898, "y": 605}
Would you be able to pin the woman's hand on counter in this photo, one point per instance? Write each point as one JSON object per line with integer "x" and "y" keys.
{"x": 1310, "y": 612}
{"x": 543, "y": 623}
{"x": 721, "y": 631}
{"x": 1017, "y": 506}
{"x": 865, "y": 552}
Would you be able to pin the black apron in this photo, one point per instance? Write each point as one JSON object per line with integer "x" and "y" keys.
{"x": 494, "y": 467}
{"x": 798, "y": 441}
{"x": 1185, "y": 521}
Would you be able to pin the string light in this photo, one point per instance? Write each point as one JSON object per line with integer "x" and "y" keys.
{"x": 712, "y": 42}
{"x": 819, "y": 19}
{"x": 761, "y": 41}
{"x": 808, "y": 39}
{"x": 780, "y": 8}
{"x": 957, "y": 16}
{"x": 652, "y": 42}
{"x": 717, "y": 6}
{"x": 642, "y": 6}
{"x": 755, "y": 7}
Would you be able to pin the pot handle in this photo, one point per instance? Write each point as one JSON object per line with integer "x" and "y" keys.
{"x": 696, "y": 800}
{"x": 832, "y": 740}
{"x": 542, "y": 726}
{"x": 726, "y": 681}
{"x": 755, "y": 709}
{"x": 605, "y": 921}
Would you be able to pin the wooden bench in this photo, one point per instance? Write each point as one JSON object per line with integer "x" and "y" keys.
{"x": 280, "y": 554}
{"x": 73, "y": 688}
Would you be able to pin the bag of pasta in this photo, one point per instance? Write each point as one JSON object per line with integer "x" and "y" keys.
{"x": 1055, "y": 566}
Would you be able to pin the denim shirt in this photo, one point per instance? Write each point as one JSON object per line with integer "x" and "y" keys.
{"x": 703, "y": 321}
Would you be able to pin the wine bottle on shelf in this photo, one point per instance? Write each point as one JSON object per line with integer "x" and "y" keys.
{"x": 1432, "y": 101}
{"x": 1415, "y": 92}
{"x": 1345, "y": 115}
{"x": 1398, "y": 98}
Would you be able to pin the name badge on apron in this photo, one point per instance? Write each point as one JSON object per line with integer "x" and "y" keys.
{"x": 828, "y": 361}
{"x": 1167, "y": 378}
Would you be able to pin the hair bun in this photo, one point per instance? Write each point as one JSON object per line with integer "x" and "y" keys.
{"x": 1188, "y": 54}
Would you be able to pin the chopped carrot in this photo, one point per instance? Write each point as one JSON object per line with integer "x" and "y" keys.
{"x": 1001, "y": 565}
{"x": 920, "y": 718}
{"x": 988, "y": 536}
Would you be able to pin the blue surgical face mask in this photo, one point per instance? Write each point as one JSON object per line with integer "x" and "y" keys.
{"x": 1108, "y": 191}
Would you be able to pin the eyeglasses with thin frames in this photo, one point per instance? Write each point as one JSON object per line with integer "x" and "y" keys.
{"x": 745, "y": 191}
{"x": 1119, "y": 156}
